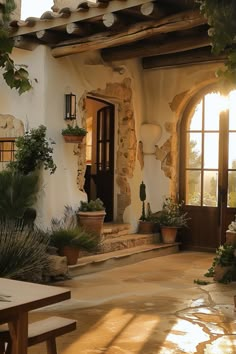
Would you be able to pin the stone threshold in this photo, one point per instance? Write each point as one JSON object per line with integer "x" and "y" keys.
{"x": 106, "y": 261}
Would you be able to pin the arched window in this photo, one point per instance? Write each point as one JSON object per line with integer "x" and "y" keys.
{"x": 208, "y": 160}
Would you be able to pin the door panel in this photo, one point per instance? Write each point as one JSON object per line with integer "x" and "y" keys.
{"x": 105, "y": 158}
{"x": 208, "y": 171}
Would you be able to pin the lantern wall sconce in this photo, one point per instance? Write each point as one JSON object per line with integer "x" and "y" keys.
{"x": 70, "y": 106}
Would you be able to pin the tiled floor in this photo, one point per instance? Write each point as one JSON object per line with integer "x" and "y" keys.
{"x": 150, "y": 307}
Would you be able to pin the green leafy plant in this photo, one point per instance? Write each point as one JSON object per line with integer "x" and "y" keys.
{"x": 225, "y": 257}
{"x": 16, "y": 76}
{"x": 76, "y": 130}
{"x": 221, "y": 16}
{"x": 92, "y": 205}
{"x": 33, "y": 151}
{"x": 66, "y": 232}
{"x": 74, "y": 237}
{"x": 17, "y": 194}
{"x": 172, "y": 214}
{"x": 23, "y": 251}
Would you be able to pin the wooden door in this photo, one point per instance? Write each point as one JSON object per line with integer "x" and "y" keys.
{"x": 104, "y": 178}
{"x": 208, "y": 170}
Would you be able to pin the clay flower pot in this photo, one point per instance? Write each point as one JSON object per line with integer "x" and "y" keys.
{"x": 71, "y": 253}
{"x": 169, "y": 234}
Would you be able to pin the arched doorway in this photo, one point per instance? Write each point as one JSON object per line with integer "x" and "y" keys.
{"x": 208, "y": 168}
{"x": 99, "y": 176}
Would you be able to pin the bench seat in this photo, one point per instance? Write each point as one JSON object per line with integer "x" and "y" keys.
{"x": 40, "y": 331}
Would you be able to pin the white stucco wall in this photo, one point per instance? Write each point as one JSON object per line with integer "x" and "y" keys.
{"x": 153, "y": 90}
{"x": 160, "y": 87}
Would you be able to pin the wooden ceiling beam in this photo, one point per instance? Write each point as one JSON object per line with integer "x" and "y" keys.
{"x": 177, "y": 22}
{"x": 80, "y": 29}
{"x": 152, "y": 10}
{"x": 27, "y": 43}
{"x": 49, "y": 37}
{"x": 144, "y": 49}
{"x": 191, "y": 57}
{"x": 79, "y": 15}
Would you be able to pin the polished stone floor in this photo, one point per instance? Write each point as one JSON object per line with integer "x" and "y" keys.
{"x": 149, "y": 307}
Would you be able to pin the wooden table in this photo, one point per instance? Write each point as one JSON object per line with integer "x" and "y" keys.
{"x": 17, "y": 299}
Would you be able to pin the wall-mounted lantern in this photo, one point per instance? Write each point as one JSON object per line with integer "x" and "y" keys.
{"x": 70, "y": 106}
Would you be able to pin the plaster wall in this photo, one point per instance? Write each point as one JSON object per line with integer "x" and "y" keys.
{"x": 80, "y": 74}
{"x": 167, "y": 91}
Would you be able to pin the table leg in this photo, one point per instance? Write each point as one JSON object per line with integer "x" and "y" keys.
{"x": 19, "y": 334}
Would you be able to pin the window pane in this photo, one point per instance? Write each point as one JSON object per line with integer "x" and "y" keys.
{"x": 211, "y": 147}
{"x": 232, "y": 151}
{"x": 231, "y": 189}
{"x": 210, "y": 188}
{"x": 232, "y": 110}
{"x": 194, "y": 148}
{"x": 193, "y": 188}
{"x": 212, "y": 112}
{"x": 195, "y": 123}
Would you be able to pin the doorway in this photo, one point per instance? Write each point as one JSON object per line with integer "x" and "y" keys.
{"x": 99, "y": 176}
{"x": 208, "y": 169}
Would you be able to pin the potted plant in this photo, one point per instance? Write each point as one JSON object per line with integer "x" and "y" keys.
{"x": 91, "y": 216}
{"x": 73, "y": 134}
{"x": 146, "y": 223}
{"x": 69, "y": 241}
{"x": 171, "y": 218}
{"x": 223, "y": 265}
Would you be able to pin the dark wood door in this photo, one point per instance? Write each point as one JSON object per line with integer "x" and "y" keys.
{"x": 104, "y": 178}
{"x": 208, "y": 171}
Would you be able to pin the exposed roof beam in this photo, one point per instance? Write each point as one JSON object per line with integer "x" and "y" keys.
{"x": 143, "y": 49}
{"x": 196, "y": 56}
{"x": 80, "y": 15}
{"x": 139, "y": 31}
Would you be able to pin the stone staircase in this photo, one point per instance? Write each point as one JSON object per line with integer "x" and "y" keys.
{"x": 119, "y": 247}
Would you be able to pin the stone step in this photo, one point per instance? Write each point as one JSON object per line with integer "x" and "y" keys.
{"x": 106, "y": 261}
{"x": 128, "y": 241}
{"x": 113, "y": 230}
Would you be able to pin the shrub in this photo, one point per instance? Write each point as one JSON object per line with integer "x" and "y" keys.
{"x": 92, "y": 205}
{"x": 23, "y": 251}
{"x": 17, "y": 194}
{"x": 33, "y": 152}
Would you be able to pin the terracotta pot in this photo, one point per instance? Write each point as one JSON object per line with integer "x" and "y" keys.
{"x": 146, "y": 227}
{"x": 92, "y": 221}
{"x": 71, "y": 253}
{"x": 168, "y": 234}
{"x": 220, "y": 272}
{"x": 76, "y": 139}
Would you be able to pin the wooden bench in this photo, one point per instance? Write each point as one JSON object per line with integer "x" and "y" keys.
{"x": 40, "y": 331}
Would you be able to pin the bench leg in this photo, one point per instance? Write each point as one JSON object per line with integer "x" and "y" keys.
{"x": 51, "y": 346}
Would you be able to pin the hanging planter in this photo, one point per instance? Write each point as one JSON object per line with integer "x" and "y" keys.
{"x": 74, "y": 135}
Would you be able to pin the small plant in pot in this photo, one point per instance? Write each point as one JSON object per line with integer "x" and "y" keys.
{"x": 69, "y": 241}
{"x": 224, "y": 264}
{"x": 69, "y": 238}
{"x": 73, "y": 134}
{"x": 171, "y": 218}
{"x": 91, "y": 216}
{"x": 146, "y": 223}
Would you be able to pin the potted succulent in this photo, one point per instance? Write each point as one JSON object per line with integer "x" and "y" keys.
{"x": 146, "y": 223}
{"x": 73, "y": 134}
{"x": 91, "y": 216}
{"x": 69, "y": 241}
{"x": 171, "y": 218}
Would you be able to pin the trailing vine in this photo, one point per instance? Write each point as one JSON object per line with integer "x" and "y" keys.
{"x": 221, "y": 17}
{"x": 16, "y": 76}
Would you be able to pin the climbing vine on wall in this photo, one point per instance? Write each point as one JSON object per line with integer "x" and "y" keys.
{"x": 16, "y": 76}
{"x": 221, "y": 17}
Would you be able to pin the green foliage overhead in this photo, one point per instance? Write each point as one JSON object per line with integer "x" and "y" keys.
{"x": 23, "y": 252}
{"x": 16, "y": 76}
{"x": 221, "y": 17}
{"x": 17, "y": 194}
{"x": 33, "y": 152}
